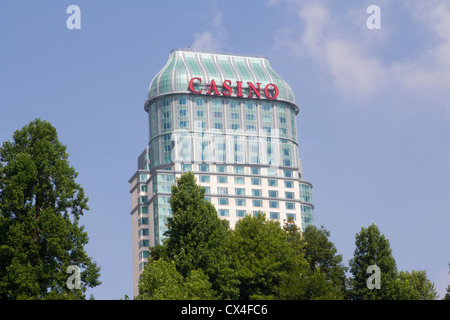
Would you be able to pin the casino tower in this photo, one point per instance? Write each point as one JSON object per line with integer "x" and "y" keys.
{"x": 231, "y": 119}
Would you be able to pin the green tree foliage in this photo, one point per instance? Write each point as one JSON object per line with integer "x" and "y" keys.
{"x": 420, "y": 282}
{"x": 202, "y": 259}
{"x": 160, "y": 280}
{"x": 372, "y": 248}
{"x": 257, "y": 260}
{"x": 447, "y": 295}
{"x": 40, "y": 207}
{"x": 197, "y": 238}
{"x": 326, "y": 278}
{"x": 266, "y": 264}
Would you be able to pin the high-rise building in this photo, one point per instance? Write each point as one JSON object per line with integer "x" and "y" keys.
{"x": 230, "y": 119}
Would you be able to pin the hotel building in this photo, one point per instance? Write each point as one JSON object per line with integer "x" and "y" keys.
{"x": 230, "y": 119}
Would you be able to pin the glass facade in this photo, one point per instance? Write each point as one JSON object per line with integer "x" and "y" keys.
{"x": 221, "y": 132}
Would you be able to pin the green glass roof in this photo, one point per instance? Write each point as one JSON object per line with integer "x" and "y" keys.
{"x": 184, "y": 65}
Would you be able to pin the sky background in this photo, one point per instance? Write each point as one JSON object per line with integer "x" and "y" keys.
{"x": 374, "y": 121}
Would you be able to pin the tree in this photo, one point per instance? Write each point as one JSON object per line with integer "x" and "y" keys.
{"x": 420, "y": 282}
{"x": 197, "y": 238}
{"x": 372, "y": 248}
{"x": 266, "y": 264}
{"x": 160, "y": 280}
{"x": 325, "y": 276}
{"x": 324, "y": 264}
{"x": 447, "y": 295}
{"x": 40, "y": 208}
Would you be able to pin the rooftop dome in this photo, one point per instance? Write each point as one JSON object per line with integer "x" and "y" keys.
{"x": 184, "y": 65}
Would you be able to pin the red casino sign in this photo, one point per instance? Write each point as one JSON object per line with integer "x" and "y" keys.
{"x": 253, "y": 91}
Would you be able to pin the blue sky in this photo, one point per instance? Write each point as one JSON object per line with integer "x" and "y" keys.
{"x": 374, "y": 121}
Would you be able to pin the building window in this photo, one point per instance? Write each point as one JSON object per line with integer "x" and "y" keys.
{"x": 273, "y": 204}
{"x": 166, "y": 114}
{"x": 142, "y": 221}
{"x": 182, "y": 113}
{"x": 239, "y": 191}
{"x": 257, "y": 203}
{"x": 288, "y": 184}
{"x": 200, "y": 124}
{"x": 223, "y": 201}
{"x": 143, "y": 199}
{"x": 239, "y": 170}
{"x": 163, "y": 183}
{"x": 240, "y": 202}
{"x": 256, "y": 192}
{"x": 234, "y": 115}
{"x": 223, "y": 212}
{"x": 143, "y": 209}
{"x": 272, "y": 183}
{"x": 207, "y": 190}
{"x": 274, "y": 215}
{"x": 239, "y": 180}
{"x": 288, "y": 173}
{"x": 222, "y": 179}
{"x": 305, "y": 193}
{"x": 256, "y": 181}
{"x": 199, "y": 101}
{"x": 144, "y": 254}
{"x": 290, "y": 205}
{"x": 249, "y": 117}
{"x": 221, "y": 168}
{"x": 222, "y": 190}
{"x": 143, "y": 188}
{"x": 273, "y": 194}
{"x": 217, "y": 114}
{"x": 256, "y": 170}
{"x": 218, "y": 125}
{"x": 144, "y": 243}
{"x": 289, "y": 195}
{"x": 240, "y": 213}
{"x": 143, "y": 232}
{"x": 204, "y": 178}
{"x": 186, "y": 167}
{"x": 203, "y": 167}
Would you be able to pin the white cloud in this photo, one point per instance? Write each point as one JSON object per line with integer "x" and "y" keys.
{"x": 352, "y": 61}
{"x": 213, "y": 39}
{"x": 353, "y": 70}
{"x": 432, "y": 70}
